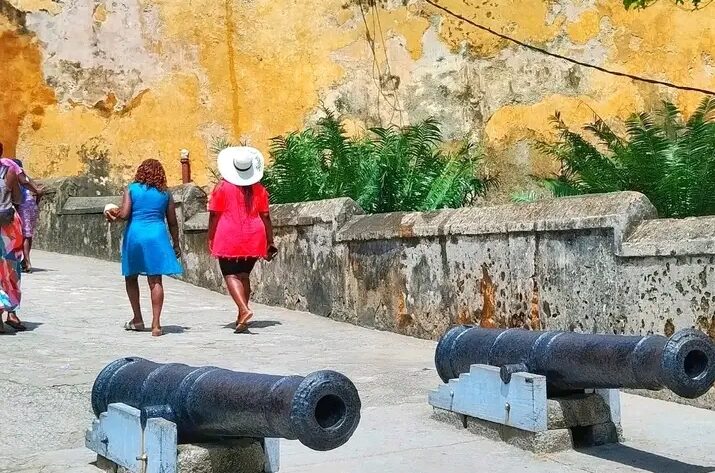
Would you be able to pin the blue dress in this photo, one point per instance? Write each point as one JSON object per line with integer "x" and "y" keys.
{"x": 146, "y": 248}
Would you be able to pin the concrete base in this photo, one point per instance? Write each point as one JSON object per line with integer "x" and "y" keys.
{"x": 577, "y": 421}
{"x": 236, "y": 456}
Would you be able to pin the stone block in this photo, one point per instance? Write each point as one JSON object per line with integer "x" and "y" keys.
{"x": 577, "y": 410}
{"x": 235, "y": 456}
{"x": 88, "y": 205}
{"x": 595, "y": 435}
{"x": 548, "y": 441}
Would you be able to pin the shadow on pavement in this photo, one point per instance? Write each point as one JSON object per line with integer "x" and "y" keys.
{"x": 172, "y": 329}
{"x": 30, "y": 325}
{"x": 258, "y": 324}
{"x": 646, "y": 461}
{"x": 38, "y": 270}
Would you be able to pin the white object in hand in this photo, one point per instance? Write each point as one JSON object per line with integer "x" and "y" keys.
{"x": 109, "y": 207}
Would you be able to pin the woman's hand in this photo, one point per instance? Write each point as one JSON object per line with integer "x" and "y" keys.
{"x": 111, "y": 214}
{"x": 177, "y": 250}
{"x": 272, "y": 252}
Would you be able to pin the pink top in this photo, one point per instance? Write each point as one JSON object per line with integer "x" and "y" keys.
{"x": 12, "y": 165}
{"x": 240, "y": 232}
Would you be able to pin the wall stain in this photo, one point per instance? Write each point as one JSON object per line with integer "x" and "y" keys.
{"x": 231, "y": 53}
{"x": 669, "y": 328}
{"x": 535, "y": 319}
{"x": 488, "y": 290}
{"x": 403, "y": 319}
{"x": 23, "y": 90}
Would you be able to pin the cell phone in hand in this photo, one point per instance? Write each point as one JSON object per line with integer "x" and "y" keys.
{"x": 272, "y": 252}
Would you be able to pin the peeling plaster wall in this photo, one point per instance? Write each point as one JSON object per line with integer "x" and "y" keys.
{"x": 599, "y": 263}
{"x": 130, "y": 79}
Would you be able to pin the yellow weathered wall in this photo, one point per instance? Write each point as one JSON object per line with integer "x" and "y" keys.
{"x": 136, "y": 78}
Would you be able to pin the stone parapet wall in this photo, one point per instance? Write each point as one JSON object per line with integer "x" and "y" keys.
{"x": 599, "y": 263}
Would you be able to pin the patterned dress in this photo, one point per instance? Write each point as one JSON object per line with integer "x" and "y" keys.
{"x": 11, "y": 241}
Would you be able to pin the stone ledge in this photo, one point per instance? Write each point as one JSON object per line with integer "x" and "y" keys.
{"x": 336, "y": 211}
{"x": 331, "y": 211}
{"x": 672, "y": 237}
{"x": 88, "y": 205}
{"x": 620, "y": 211}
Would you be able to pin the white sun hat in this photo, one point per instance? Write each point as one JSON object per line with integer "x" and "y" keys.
{"x": 241, "y": 165}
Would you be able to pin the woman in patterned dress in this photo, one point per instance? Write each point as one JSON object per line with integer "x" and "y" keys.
{"x": 11, "y": 246}
{"x": 29, "y": 212}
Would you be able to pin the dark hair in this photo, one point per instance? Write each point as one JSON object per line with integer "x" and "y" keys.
{"x": 248, "y": 198}
{"x": 1, "y": 149}
{"x": 151, "y": 173}
{"x": 17, "y": 161}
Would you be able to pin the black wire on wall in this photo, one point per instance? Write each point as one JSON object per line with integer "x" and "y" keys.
{"x": 566, "y": 58}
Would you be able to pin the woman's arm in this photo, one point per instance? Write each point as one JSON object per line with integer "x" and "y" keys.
{"x": 29, "y": 183}
{"x": 125, "y": 211}
{"x": 13, "y": 183}
{"x": 268, "y": 224}
{"x": 213, "y": 222}
{"x": 173, "y": 224}
{"x": 266, "y": 217}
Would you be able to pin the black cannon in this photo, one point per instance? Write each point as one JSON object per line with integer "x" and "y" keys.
{"x": 322, "y": 410}
{"x": 684, "y": 363}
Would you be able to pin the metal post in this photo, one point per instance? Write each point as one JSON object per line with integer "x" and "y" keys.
{"x": 185, "y": 167}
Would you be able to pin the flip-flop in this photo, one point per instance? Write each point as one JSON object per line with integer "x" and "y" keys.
{"x": 240, "y": 328}
{"x": 130, "y": 327}
{"x": 16, "y": 326}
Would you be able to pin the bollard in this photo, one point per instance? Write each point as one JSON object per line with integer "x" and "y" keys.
{"x": 185, "y": 167}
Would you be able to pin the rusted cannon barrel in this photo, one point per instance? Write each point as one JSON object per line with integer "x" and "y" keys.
{"x": 684, "y": 363}
{"x": 322, "y": 410}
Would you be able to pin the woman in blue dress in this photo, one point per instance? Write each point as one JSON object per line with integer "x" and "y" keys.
{"x": 147, "y": 248}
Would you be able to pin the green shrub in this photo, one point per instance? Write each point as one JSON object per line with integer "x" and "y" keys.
{"x": 390, "y": 169}
{"x": 670, "y": 160}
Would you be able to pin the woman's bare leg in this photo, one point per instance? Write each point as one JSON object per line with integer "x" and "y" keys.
{"x": 157, "y": 303}
{"x": 132, "y": 285}
{"x": 246, "y": 280}
{"x": 238, "y": 292}
{"x": 26, "y": 249}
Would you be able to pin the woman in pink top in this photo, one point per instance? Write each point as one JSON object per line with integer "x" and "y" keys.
{"x": 240, "y": 230}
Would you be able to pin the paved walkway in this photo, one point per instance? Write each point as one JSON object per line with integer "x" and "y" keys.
{"x": 76, "y": 306}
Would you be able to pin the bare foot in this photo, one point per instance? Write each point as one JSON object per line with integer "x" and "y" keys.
{"x": 157, "y": 332}
{"x": 245, "y": 317}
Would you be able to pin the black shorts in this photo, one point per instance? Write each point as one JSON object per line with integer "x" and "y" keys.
{"x": 236, "y": 266}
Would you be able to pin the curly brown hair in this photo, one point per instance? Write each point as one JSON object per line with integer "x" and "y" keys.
{"x": 151, "y": 173}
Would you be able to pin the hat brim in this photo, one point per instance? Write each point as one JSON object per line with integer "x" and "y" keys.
{"x": 230, "y": 173}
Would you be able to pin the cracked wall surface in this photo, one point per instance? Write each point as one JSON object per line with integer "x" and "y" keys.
{"x": 125, "y": 80}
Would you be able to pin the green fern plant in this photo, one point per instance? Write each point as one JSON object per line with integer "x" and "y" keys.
{"x": 389, "y": 169}
{"x": 670, "y": 160}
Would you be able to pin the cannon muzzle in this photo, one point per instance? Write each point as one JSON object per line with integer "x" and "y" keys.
{"x": 322, "y": 410}
{"x": 684, "y": 363}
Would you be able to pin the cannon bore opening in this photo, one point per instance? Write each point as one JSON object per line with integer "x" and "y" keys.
{"x": 330, "y": 411}
{"x": 696, "y": 363}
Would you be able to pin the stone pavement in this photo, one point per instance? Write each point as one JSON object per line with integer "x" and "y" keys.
{"x": 76, "y": 306}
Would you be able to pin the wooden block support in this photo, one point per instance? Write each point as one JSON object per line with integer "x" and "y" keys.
{"x": 122, "y": 446}
{"x": 482, "y": 394}
{"x": 117, "y": 436}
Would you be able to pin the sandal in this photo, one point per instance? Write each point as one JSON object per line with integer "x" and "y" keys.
{"x": 16, "y": 325}
{"x": 132, "y": 327}
{"x": 2, "y": 328}
{"x": 240, "y": 328}
{"x": 157, "y": 332}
